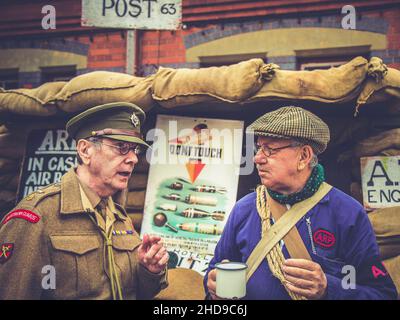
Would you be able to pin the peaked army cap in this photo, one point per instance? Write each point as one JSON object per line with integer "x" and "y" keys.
{"x": 293, "y": 123}
{"x": 118, "y": 120}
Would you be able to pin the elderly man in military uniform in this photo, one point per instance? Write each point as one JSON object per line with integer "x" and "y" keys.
{"x": 297, "y": 233}
{"x": 77, "y": 228}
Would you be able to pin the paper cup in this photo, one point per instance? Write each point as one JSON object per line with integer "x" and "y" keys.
{"x": 231, "y": 280}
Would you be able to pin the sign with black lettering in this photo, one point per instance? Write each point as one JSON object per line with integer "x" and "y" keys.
{"x": 132, "y": 14}
{"x": 48, "y": 155}
{"x": 380, "y": 177}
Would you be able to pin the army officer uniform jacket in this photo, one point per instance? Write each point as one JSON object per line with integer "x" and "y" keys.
{"x": 50, "y": 248}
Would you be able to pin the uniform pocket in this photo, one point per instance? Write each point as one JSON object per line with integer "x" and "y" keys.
{"x": 125, "y": 243}
{"x": 329, "y": 266}
{"x": 77, "y": 259}
{"x": 126, "y": 259}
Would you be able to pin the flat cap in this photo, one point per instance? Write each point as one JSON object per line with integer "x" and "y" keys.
{"x": 118, "y": 120}
{"x": 293, "y": 123}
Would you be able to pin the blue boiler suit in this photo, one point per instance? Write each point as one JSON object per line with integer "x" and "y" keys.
{"x": 336, "y": 232}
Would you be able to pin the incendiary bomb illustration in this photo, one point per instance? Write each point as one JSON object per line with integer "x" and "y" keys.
{"x": 209, "y": 189}
{"x": 207, "y": 201}
{"x": 167, "y": 207}
{"x": 160, "y": 220}
{"x": 198, "y": 213}
{"x": 172, "y": 196}
{"x": 176, "y": 186}
{"x": 201, "y": 228}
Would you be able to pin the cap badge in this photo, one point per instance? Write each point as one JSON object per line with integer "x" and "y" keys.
{"x": 135, "y": 120}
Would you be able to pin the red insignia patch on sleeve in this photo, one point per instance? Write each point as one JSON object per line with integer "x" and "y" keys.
{"x": 324, "y": 238}
{"x": 22, "y": 214}
{"x": 6, "y": 251}
{"x": 379, "y": 271}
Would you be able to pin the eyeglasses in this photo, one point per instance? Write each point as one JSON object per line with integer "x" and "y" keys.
{"x": 268, "y": 151}
{"x": 125, "y": 147}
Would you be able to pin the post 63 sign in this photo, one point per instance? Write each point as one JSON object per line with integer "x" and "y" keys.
{"x": 132, "y": 14}
{"x": 380, "y": 178}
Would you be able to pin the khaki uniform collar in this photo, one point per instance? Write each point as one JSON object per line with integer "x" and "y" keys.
{"x": 92, "y": 196}
{"x": 70, "y": 194}
{"x": 71, "y": 200}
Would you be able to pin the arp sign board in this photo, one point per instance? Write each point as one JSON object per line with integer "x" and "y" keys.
{"x": 49, "y": 153}
{"x": 380, "y": 177}
{"x": 132, "y": 14}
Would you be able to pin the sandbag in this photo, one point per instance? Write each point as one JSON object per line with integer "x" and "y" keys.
{"x": 386, "y": 222}
{"x": 392, "y": 152}
{"x": 346, "y": 130}
{"x": 356, "y": 191}
{"x": 12, "y": 185}
{"x": 393, "y": 267}
{"x": 7, "y": 196}
{"x": 13, "y": 152}
{"x": 8, "y": 139}
{"x": 135, "y": 199}
{"x": 389, "y": 250}
{"x": 3, "y": 129}
{"x": 356, "y": 170}
{"x": 142, "y": 166}
{"x": 137, "y": 218}
{"x": 184, "y": 284}
{"x": 138, "y": 181}
{"x": 36, "y": 102}
{"x": 334, "y": 85}
{"x": 234, "y": 83}
{"x": 393, "y": 106}
{"x": 99, "y": 87}
{"x": 6, "y": 178}
{"x": 373, "y": 145}
{"x": 377, "y": 89}
{"x": 8, "y": 165}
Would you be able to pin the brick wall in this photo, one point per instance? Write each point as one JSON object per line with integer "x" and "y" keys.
{"x": 393, "y": 54}
{"x": 104, "y": 52}
{"x": 106, "y": 49}
{"x": 164, "y": 48}
{"x": 168, "y": 49}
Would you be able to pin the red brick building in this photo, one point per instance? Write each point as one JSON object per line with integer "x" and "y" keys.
{"x": 294, "y": 34}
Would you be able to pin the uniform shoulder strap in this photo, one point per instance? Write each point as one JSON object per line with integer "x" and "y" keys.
{"x": 281, "y": 228}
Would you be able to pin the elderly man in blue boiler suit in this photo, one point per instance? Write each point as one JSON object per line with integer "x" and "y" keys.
{"x": 336, "y": 231}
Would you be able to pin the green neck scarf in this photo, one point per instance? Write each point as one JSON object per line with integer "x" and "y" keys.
{"x": 316, "y": 178}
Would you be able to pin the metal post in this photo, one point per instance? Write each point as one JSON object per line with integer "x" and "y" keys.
{"x": 131, "y": 52}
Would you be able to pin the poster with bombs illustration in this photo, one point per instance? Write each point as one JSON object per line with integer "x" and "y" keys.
{"x": 192, "y": 185}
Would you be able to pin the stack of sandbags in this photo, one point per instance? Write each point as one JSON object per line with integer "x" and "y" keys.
{"x": 386, "y": 224}
{"x": 78, "y": 94}
{"x": 137, "y": 191}
{"x": 12, "y": 145}
{"x": 252, "y": 81}
{"x": 245, "y": 82}
{"x": 386, "y": 143}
